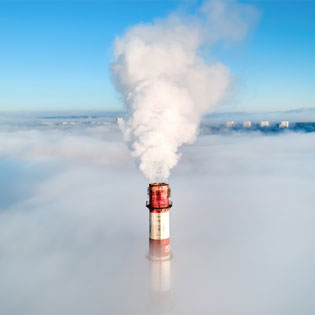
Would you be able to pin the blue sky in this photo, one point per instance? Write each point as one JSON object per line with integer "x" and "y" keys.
{"x": 56, "y": 54}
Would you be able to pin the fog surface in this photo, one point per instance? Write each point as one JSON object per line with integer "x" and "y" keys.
{"x": 74, "y": 227}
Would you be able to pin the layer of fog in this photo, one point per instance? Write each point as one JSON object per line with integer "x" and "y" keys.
{"x": 74, "y": 228}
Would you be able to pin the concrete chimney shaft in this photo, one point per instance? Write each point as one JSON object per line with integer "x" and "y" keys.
{"x": 159, "y": 206}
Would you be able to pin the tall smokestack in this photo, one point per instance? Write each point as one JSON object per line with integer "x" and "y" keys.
{"x": 159, "y": 247}
{"x": 159, "y": 206}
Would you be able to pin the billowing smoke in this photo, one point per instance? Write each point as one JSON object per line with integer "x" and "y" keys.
{"x": 168, "y": 85}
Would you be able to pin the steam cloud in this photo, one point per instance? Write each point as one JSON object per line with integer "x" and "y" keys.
{"x": 167, "y": 84}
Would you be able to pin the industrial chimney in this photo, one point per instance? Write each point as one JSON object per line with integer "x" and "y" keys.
{"x": 159, "y": 206}
{"x": 159, "y": 250}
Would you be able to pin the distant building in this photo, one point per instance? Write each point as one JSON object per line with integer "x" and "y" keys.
{"x": 264, "y": 123}
{"x": 100, "y": 123}
{"x": 70, "y": 122}
{"x": 119, "y": 120}
{"x": 229, "y": 124}
{"x": 247, "y": 124}
{"x": 284, "y": 124}
{"x": 47, "y": 123}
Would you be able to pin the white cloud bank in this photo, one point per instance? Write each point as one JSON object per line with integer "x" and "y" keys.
{"x": 92, "y": 145}
{"x": 241, "y": 226}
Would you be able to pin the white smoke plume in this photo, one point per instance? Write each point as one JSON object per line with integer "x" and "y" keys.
{"x": 166, "y": 83}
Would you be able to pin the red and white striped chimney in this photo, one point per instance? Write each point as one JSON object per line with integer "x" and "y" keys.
{"x": 159, "y": 250}
{"x": 159, "y": 206}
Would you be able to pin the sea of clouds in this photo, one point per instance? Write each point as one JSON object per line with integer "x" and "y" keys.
{"x": 74, "y": 227}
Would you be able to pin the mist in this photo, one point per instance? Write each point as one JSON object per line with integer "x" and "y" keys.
{"x": 74, "y": 227}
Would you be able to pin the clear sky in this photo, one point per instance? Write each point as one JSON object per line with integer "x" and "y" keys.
{"x": 56, "y": 54}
